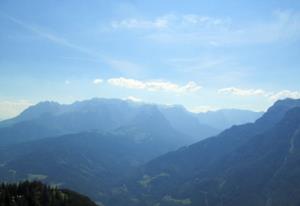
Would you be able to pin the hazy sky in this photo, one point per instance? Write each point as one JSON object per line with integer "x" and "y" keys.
{"x": 202, "y": 54}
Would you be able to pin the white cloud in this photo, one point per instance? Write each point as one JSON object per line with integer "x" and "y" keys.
{"x": 191, "y": 87}
{"x": 284, "y": 94}
{"x": 156, "y": 85}
{"x": 203, "y": 108}
{"x": 9, "y": 109}
{"x": 97, "y": 81}
{"x": 242, "y": 92}
{"x": 161, "y": 85}
{"x": 271, "y": 95}
{"x": 133, "y": 99}
{"x": 127, "y": 83}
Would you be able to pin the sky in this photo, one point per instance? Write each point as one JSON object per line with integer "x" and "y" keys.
{"x": 205, "y": 55}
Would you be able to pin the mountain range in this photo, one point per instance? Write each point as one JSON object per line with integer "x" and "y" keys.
{"x": 48, "y": 119}
{"x": 147, "y": 155}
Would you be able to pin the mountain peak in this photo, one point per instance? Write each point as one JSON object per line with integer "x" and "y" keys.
{"x": 35, "y": 111}
{"x": 287, "y": 103}
{"x": 276, "y": 112}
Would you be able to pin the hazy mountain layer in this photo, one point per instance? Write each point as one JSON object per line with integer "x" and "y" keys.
{"x": 48, "y": 119}
{"x": 253, "y": 164}
{"x": 99, "y": 115}
{"x": 225, "y": 118}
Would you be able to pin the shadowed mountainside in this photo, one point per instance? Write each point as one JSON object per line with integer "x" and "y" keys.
{"x": 252, "y": 164}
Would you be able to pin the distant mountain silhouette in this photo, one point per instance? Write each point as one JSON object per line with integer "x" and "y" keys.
{"x": 51, "y": 119}
{"x": 48, "y": 119}
{"x": 188, "y": 123}
{"x": 225, "y": 118}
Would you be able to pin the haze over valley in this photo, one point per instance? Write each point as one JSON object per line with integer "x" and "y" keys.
{"x": 149, "y": 103}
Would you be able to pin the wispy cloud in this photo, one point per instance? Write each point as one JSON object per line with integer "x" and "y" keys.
{"x": 169, "y": 21}
{"x": 67, "y": 82}
{"x": 271, "y": 95}
{"x": 50, "y": 36}
{"x": 123, "y": 66}
{"x": 134, "y": 23}
{"x": 157, "y": 85}
{"x": 215, "y": 31}
{"x": 284, "y": 94}
{"x": 242, "y": 92}
{"x": 97, "y": 81}
{"x": 198, "y": 63}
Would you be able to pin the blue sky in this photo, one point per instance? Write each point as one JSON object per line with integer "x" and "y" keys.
{"x": 204, "y": 55}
